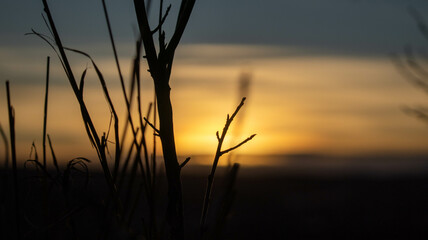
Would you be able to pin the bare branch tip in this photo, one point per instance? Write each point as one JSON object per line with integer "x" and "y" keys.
{"x": 157, "y": 132}
{"x": 185, "y": 162}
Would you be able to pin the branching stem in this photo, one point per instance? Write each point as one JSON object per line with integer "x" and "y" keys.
{"x": 219, "y": 153}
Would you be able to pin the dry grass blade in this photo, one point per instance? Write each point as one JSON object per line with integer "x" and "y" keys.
{"x": 89, "y": 126}
{"x": 127, "y": 159}
{"x": 11, "y": 113}
{"x": 128, "y": 102}
{"x": 107, "y": 96}
{"x": 34, "y": 149}
{"x": 113, "y": 45}
{"x": 131, "y": 183}
{"x": 48, "y": 41}
{"x": 55, "y": 162}
{"x": 39, "y": 165}
{"x": 92, "y": 134}
{"x": 82, "y": 82}
{"x": 6, "y": 147}
{"x": 45, "y": 113}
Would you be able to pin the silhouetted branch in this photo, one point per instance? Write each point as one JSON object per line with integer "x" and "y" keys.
{"x": 146, "y": 34}
{"x": 152, "y": 126}
{"x": 419, "y": 113}
{"x": 162, "y": 20}
{"x": 413, "y": 63}
{"x": 185, "y": 162}
{"x": 219, "y": 153}
{"x": 419, "y": 21}
{"x": 183, "y": 17}
{"x": 160, "y": 64}
{"x": 409, "y": 75}
{"x": 238, "y": 145}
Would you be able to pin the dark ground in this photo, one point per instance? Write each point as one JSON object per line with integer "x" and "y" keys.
{"x": 270, "y": 204}
{"x": 311, "y": 205}
{"x": 335, "y": 207}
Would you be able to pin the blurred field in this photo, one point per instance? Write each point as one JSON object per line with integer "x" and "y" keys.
{"x": 286, "y": 202}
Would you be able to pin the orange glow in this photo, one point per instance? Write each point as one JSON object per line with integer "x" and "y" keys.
{"x": 305, "y": 104}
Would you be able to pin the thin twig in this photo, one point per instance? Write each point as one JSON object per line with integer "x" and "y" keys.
{"x": 154, "y": 144}
{"x": 161, "y": 19}
{"x": 128, "y": 101}
{"x": 423, "y": 28}
{"x": 151, "y": 125}
{"x": 404, "y": 70}
{"x": 45, "y": 111}
{"x": 238, "y": 145}
{"x": 122, "y": 84}
{"x": 219, "y": 153}
{"x": 185, "y": 162}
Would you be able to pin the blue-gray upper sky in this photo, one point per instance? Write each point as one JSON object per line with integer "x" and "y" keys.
{"x": 330, "y": 26}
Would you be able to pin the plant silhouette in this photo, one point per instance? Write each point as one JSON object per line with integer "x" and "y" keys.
{"x": 410, "y": 66}
{"x": 133, "y": 176}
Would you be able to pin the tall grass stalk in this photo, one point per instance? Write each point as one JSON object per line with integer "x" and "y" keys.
{"x": 16, "y": 187}
{"x": 6, "y": 147}
{"x": 132, "y": 182}
{"x": 45, "y": 112}
{"x": 99, "y": 144}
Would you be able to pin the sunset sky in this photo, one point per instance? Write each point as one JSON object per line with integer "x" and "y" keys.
{"x": 322, "y": 78}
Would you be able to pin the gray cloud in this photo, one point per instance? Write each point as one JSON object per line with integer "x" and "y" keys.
{"x": 322, "y": 27}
